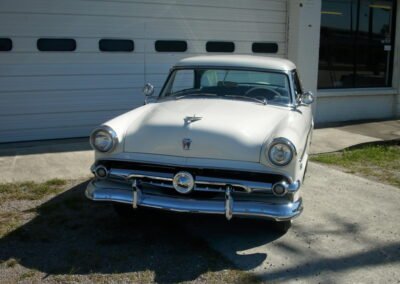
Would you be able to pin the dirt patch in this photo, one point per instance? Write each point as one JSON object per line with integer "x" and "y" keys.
{"x": 63, "y": 237}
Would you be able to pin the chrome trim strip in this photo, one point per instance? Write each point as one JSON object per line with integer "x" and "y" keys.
{"x": 266, "y": 171}
{"x": 274, "y": 211}
{"x": 306, "y": 145}
{"x": 248, "y": 186}
{"x": 134, "y": 174}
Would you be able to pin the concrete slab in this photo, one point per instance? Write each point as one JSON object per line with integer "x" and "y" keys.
{"x": 43, "y": 161}
{"x": 385, "y": 130}
{"x": 348, "y": 233}
{"x": 334, "y": 139}
{"x": 328, "y": 140}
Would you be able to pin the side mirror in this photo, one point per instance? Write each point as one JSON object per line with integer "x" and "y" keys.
{"x": 148, "y": 91}
{"x": 306, "y": 98}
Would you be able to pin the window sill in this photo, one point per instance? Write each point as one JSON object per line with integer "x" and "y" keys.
{"x": 329, "y": 93}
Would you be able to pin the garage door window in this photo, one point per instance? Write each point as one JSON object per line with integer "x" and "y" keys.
{"x": 116, "y": 45}
{"x": 171, "y": 46}
{"x": 264, "y": 47}
{"x": 5, "y": 44}
{"x": 220, "y": 46}
{"x": 56, "y": 44}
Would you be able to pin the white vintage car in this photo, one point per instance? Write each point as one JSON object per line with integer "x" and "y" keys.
{"x": 226, "y": 135}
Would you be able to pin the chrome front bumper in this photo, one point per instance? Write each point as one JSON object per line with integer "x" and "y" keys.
{"x": 98, "y": 190}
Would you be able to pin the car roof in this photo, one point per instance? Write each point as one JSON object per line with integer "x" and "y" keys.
{"x": 242, "y": 61}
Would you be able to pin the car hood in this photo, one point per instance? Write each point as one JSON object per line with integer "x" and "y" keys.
{"x": 224, "y": 129}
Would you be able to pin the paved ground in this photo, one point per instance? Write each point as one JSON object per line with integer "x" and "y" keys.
{"x": 72, "y": 158}
{"x": 41, "y": 161}
{"x": 349, "y": 232}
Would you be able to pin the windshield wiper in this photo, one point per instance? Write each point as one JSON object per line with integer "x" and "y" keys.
{"x": 181, "y": 91}
{"x": 264, "y": 101}
{"x": 196, "y": 94}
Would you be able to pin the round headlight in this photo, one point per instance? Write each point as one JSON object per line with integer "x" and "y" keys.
{"x": 281, "y": 152}
{"x": 103, "y": 139}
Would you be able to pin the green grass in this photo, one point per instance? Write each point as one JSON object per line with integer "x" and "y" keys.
{"x": 30, "y": 190}
{"x": 378, "y": 162}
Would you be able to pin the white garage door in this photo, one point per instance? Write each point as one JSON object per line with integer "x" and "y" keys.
{"x": 69, "y": 86}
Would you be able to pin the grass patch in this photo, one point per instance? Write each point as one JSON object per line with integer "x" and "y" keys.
{"x": 10, "y": 262}
{"x": 8, "y": 222}
{"x": 379, "y": 162}
{"x": 30, "y": 190}
{"x": 27, "y": 275}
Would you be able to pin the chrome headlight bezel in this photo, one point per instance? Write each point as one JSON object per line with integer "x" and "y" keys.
{"x": 112, "y": 135}
{"x": 286, "y": 143}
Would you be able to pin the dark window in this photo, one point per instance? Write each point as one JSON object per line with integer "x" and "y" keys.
{"x": 5, "y": 44}
{"x": 264, "y": 47}
{"x": 357, "y": 43}
{"x": 171, "y": 46}
{"x": 220, "y": 46}
{"x": 115, "y": 45}
{"x": 56, "y": 44}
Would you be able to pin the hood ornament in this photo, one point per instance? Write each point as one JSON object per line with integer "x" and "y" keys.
{"x": 190, "y": 119}
{"x": 186, "y": 142}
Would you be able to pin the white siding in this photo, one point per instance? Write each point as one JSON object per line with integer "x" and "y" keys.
{"x": 46, "y": 95}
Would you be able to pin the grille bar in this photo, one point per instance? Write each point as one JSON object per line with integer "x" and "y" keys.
{"x": 202, "y": 183}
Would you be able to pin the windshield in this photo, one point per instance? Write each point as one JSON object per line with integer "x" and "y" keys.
{"x": 264, "y": 87}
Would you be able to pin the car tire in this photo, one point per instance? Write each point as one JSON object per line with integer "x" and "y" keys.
{"x": 283, "y": 226}
{"x": 124, "y": 211}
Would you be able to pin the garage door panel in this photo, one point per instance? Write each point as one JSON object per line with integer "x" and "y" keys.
{"x": 72, "y": 82}
{"x": 153, "y": 11}
{"x": 69, "y": 101}
{"x": 100, "y": 26}
{"x": 50, "y": 120}
{"x": 49, "y": 133}
{"x": 70, "y": 58}
{"x": 278, "y": 5}
{"x": 198, "y": 28}
{"x": 48, "y": 95}
{"x": 70, "y": 69}
{"x": 37, "y": 25}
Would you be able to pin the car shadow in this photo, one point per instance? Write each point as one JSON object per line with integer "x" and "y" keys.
{"x": 71, "y": 234}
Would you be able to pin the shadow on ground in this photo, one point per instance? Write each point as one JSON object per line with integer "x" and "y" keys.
{"x": 71, "y": 235}
{"x": 44, "y": 147}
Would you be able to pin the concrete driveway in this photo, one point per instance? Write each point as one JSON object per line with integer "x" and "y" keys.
{"x": 348, "y": 232}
